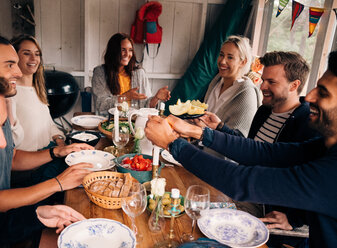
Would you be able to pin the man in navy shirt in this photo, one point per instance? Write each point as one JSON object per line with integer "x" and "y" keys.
{"x": 296, "y": 175}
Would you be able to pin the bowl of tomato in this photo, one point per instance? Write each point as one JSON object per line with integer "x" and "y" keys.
{"x": 138, "y": 165}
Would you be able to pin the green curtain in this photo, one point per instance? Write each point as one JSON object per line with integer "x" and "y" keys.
{"x": 203, "y": 68}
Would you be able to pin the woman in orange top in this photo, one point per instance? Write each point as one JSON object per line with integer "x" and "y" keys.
{"x": 119, "y": 75}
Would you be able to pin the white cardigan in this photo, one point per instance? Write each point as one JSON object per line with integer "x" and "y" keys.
{"x": 34, "y": 118}
{"x": 238, "y": 110}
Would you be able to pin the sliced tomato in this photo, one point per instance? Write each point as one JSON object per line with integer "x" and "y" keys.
{"x": 138, "y": 162}
{"x": 142, "y": 166}
{"x": 127, "y": 161}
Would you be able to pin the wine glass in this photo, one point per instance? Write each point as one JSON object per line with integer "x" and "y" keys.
{"x": 120, "y": 137}
{"x": 134, "y": 205}
{"x": 196, "y": 200}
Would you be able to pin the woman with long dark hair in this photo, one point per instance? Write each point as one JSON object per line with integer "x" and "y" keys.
{"x": 119, "y": 75}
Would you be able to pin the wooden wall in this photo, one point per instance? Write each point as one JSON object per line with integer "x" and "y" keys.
{"x": 60, "y": 31}
{"x": 74, "y": 33}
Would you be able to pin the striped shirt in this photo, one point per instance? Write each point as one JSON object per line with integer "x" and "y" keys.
{"x": 272, "y": 126}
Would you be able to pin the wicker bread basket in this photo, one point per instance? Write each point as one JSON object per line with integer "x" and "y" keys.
{"x": 100, "y": 200}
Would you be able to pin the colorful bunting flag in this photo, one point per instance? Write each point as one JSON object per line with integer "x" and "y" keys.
{"x": 297, "y": 10}
{"x": 281, "y": 5}
{"x": 314, "y": 16}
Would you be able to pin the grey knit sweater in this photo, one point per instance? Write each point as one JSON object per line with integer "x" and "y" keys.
{"x": 102, "y": 95}
{"x": 238, "y": 112}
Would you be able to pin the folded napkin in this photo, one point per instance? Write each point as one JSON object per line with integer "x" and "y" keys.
{"x": 222, "y": 205}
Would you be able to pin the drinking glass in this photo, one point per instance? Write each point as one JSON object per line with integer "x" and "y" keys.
{"x": 134, "y": 104}
{"x": 134, "y": 205}
{"x": 109, "y": 103}
{"x": 122, "y": 139}
{"x": 197, "y": 199}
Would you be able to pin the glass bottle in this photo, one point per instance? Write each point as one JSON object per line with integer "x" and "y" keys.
{"x": 156, "y": 221}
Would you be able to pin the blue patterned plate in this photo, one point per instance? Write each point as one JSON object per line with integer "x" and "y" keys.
{"x": 234, "y": 228}
{"x": 93, "y": 233}
{"x": 101, "y": 160}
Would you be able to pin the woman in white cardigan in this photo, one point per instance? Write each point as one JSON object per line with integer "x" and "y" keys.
{"x": 32, "y": 126}
{"x": 232, "y": 96}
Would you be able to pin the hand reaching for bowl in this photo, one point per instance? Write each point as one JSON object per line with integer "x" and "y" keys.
{"x": 209, "y": 119}
{"x": 62, "y": 151}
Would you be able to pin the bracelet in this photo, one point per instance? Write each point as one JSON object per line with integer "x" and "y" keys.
{"x": 52, "y": 154}
{"x": 59, "y": 184}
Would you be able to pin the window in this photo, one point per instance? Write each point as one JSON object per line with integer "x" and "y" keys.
{"x": 275, "y": 34}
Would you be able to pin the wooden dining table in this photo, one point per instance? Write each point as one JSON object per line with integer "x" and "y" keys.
{"x": 176, "y": 177}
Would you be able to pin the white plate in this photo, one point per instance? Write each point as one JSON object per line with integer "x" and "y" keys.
{"x": 101, "y": 160}
{"x": 87, "y": 121}
{"x": 234, "y": 228}
{"x": 93, "y": 233}
{"x": 84, "y": 136}
{"x": 169, "y": 158}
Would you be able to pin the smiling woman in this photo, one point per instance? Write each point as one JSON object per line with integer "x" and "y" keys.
{"x": 232, "y": 96}
{"x": 38, "y": 128}
{"x": 119, "y": 75}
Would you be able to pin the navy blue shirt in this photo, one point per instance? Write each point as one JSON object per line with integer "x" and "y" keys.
{"x": 296, "y": 175}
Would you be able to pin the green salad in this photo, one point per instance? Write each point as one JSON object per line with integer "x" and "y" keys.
{"x": 123, "y": 125}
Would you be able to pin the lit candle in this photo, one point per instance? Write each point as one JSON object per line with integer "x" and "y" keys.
{"x": 162, "y": 106}
{"x": 175, "y": 193}
{"x": 162, "y": 109}
{"x": 116, "y": 123}
{"x": 155, "y": 160}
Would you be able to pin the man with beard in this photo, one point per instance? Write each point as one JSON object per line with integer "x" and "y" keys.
{"x": 18, "y": 219}
{"x": 283, "y": 117}
{"x": 35, "y": 217}
{"x": 296, "y": 175}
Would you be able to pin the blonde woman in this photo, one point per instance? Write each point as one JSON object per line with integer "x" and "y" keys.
{"x": 232, "y": 96}
{"x": 30, "y": 104}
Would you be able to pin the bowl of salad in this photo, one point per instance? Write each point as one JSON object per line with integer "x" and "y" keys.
{"x": 106, "y": 126}
{"x": 138, "y": 165}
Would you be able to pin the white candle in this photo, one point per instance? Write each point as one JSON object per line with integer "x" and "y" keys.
{"x": 116, "y": 123}
{"x": 162, "y": 106}
{"x": 175, "y": 193}
{"x": 155, "y": 160}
